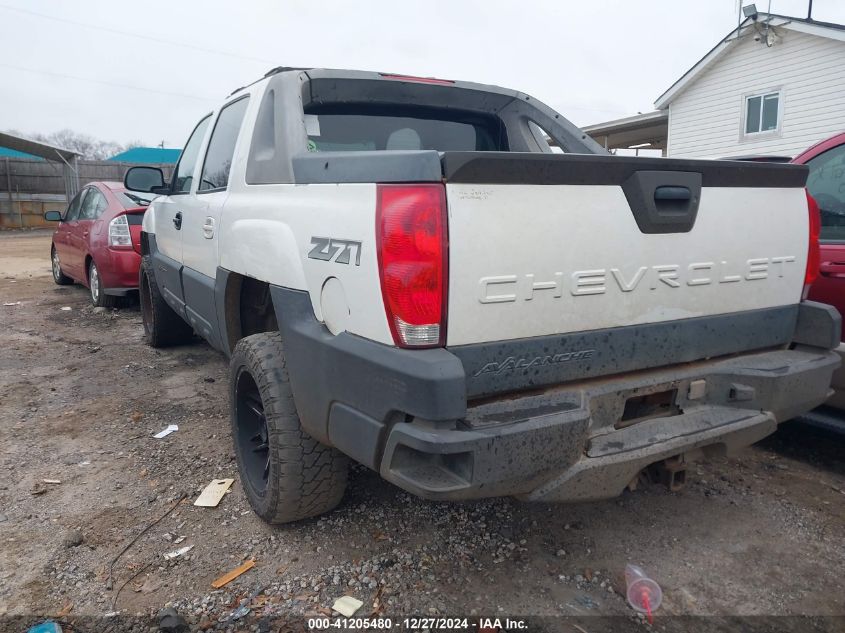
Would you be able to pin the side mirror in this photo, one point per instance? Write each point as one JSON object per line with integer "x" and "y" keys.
{"x": 145, "y": 180}
{"x": 53, "y": 216}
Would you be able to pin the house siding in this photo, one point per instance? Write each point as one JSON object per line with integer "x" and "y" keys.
{"x": 706, "y": 119}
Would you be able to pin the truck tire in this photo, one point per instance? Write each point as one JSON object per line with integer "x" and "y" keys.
{"x": 99, "y": 298}
{"x": 162, "y": 325}
{"x": 286, "y": 473}
{"x": 58, "y": 276}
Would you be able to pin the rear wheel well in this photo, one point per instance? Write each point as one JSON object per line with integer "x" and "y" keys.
{"x": 88, "y": 260}
{"x": 249, "y": 308}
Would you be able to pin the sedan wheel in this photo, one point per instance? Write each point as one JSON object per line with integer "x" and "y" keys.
{"x": 99, "y": 298}
{"x": 94, "y": 280}
{"x": 58, "y": 276}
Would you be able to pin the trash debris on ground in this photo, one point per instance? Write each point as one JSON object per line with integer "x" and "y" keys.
{"x": 45, "y": 627}
{"x": 644, "y": 595}
{"x": 347, "y": 605}
{"x": 65, "y": 309}
{"x": 178, "y": 552}
{"x": 179, "y": 539}
{"x": 38, "y": 489}
{"x": 13, "y": 303}
{"x": 171, "y": 622}
{"x": 170, "y": 429}
{"x": 228, "y": 577}
{"x": 213, "y": 493}
{"x": 51, "y": 481}
{"x": 245, "y": 605}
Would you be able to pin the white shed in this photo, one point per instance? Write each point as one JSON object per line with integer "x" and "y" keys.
{"x": 775, "y": 86}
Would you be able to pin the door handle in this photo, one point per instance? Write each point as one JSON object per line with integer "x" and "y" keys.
{"x": 208, "y": 228}
{"x": 832, "y": 269}
{"x": 177, "y": 221}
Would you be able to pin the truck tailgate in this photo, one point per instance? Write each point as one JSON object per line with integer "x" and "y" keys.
{"x": 543, "y": 245}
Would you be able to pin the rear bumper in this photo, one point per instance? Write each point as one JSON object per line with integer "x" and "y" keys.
{"x": 575, "y": 453}
{"x": 405, "y": 414}
{"x": 118, "y": 270}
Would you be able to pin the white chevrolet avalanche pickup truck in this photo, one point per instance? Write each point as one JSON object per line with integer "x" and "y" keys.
{"x": 404, "y": 273}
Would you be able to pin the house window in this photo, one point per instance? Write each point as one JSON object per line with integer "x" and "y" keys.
{"x": 761, "y": 112}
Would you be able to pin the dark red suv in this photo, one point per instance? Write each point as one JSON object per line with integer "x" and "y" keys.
{"x": 98, "y": 241}
{"x": 826, "y": 184}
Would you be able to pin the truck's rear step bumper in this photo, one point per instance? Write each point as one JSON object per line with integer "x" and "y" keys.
{"x": 406, "y": 414}
{"x": 574, "y": 452}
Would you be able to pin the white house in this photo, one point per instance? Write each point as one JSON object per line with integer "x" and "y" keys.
{"x": 774, "y": 86}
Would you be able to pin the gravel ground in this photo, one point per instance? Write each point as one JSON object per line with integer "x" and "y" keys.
{"x": 758, "y": 534}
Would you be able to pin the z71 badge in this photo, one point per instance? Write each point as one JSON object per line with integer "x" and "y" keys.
{"x": 332, "y": 249}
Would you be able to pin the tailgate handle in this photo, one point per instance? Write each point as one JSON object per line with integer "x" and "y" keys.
{"x": 663, "y": 201}
{"x": 672, "y": 193}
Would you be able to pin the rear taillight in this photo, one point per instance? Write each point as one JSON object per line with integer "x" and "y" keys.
{"x": 411, "y": 234}
{"x": 813, "y": 251}
{"x": 119, "y": 236}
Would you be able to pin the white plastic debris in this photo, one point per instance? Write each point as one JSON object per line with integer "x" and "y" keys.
{"x": 347, "y": 605}
{"x": 178, "y": 552}
{"x": 170, "y": 428}
{"x": 65, "y": 308}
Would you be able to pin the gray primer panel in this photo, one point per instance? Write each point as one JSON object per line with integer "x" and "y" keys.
{"x": 489, "y": 366}
{"x": 200, "y": 307}
{"x": 168, "y": 277}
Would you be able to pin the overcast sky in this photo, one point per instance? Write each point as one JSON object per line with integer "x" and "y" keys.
{"x": 149, "y": 70}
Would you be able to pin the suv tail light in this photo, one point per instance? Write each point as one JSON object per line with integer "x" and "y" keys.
{"x": 411, "y": 236}
{"x": 813, "y": 250}
{"x": 119, "y": 236}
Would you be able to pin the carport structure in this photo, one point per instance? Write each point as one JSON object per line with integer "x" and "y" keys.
{"x": 34, "y": 180}
{"x": 641, "y": 131}
{"x": 68, "y": 159}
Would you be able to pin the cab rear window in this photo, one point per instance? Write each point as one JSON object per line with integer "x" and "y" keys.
{"x": 364, "y": 129}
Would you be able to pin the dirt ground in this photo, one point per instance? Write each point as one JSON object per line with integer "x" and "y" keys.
{"x": 759, "y": 534}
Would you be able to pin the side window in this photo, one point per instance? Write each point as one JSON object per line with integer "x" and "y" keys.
{"x": 827, "y": 185}
{"x": 221, "y": 147}
{"x": 184, "y": 173}
{"x": 93, "y": 206}
{"x": 762, "y": 112}
{"x": 74, "y": 206}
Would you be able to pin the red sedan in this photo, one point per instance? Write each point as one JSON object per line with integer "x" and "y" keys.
{"x": 98, "y": 241}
